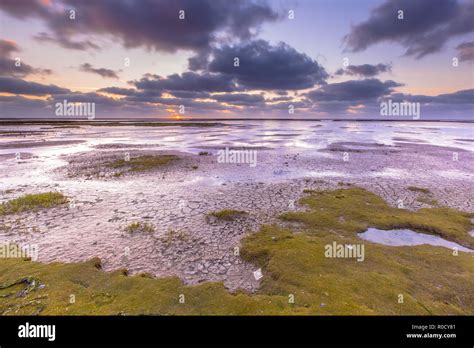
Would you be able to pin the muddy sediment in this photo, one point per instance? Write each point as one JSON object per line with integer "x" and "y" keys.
{"x": 177, "y": 199}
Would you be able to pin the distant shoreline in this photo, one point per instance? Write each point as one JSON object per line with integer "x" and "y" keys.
{"x": 11, "y": 121}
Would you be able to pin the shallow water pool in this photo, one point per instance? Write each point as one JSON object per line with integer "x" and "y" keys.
{"x": 407, "y": 237}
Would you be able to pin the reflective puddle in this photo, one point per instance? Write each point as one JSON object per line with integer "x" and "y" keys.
{"x": 407, "y": 237}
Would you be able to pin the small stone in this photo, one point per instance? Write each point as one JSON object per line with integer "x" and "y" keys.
{"x": 258, "y": 274}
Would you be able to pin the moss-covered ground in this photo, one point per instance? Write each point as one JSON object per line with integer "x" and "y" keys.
{"x": 32, "y": 202}
{"x": 141, "y": 163}
{"x": 298, "y": 278}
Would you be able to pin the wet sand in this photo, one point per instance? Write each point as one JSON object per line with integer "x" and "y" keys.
{"x": 180, "y": 196}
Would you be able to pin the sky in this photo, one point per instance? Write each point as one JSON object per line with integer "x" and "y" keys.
{"x": 196, "y": 59}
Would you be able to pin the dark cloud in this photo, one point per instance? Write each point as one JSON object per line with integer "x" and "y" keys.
{"x": 456, "y": 105}
{"x": 189, "y": 104}
{"x": 266, "y": 67}
{"x": 91, "y": 97}
{"x": 118, "y": 90}
{"x": 24, "y": 8}
{"x": 106, "y": 73}
{"x": 365, "y": 70}
{"x": 335, "y": 100}
{"x": 194, "y": 105}
{"x": 17, "y": 100}
{"x": 240, "y": 99}
{"x": 19, "y": 86}
{"x": 460, "y": 97}
{"x": 152, "y": 95}
{"x": 188, "y": 81}
{"x": 279, "y": 99}
{"x": 466, "y": 51}
{"x": 261, "y": 67}
{"x": 355, "y": 91}
{"x": 189, "y": 94}
{"x": 200, "y": 60}
{"x": 297, "y": 105}
{"x": 8, "y": 66}
{"x": 134, "y": 23}
{"x": 427, "y": 25}
{"x": 66, "y": 42}
{"x": 106, "y": 106}
{"x": 18, "y": 106}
